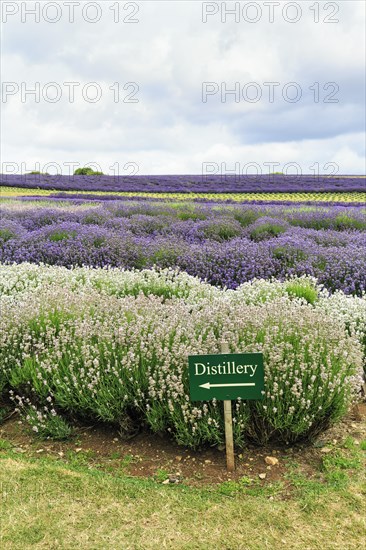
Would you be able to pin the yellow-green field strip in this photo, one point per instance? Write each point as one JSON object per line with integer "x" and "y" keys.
{"x": 237, "y": 197}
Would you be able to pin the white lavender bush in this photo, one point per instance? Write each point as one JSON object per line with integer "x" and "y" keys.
{"x": 169, "y": 283}
{"x": 112, "y": 346}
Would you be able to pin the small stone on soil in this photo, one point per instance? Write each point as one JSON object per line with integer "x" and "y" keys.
{"x": 262, "y": 476}
{"x": 271, "y": 460}
{"x": 326, "y": 450}
{"x": 174, "y": 478}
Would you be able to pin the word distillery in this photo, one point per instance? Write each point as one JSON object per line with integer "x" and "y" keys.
{"x": 227, "y": 367}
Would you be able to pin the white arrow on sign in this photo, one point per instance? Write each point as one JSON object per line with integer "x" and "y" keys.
{"x": 208, "y": 386}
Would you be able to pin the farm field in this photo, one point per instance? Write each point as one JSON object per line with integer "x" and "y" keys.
{"x": 103, "y": 297}
{"x": 189, "y": 183}
{"x": 226, "y": 245}
{"x": 183, "y": 276}
{"x": 357, "y": 197}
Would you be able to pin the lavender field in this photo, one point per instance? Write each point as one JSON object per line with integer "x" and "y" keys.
{"x": 225, "y": 245}
{"x": 182, "y": 275}
{"x": 115, "y": 293}
{"x": 190, "y": 183}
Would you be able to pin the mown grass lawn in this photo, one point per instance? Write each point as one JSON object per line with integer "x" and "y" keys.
{"x": 51, "y": 503}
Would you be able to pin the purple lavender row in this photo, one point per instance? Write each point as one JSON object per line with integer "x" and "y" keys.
{"x": 162, "y": 214}
{"x": 189, "y": 183}
{"x": 227, "y": 246}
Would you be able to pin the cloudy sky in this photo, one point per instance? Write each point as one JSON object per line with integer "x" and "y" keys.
{"x": 174, "y": 87}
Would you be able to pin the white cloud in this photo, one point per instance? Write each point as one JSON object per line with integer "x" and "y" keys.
{"x": 169, "y": 54}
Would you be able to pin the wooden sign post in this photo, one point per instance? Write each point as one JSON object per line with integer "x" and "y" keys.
{"x": 228, "y": 418}
{"x": 227, "y": 377}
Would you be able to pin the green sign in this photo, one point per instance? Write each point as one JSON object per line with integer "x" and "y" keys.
{"x": 226, "y": 376}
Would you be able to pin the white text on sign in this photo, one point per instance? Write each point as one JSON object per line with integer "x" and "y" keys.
{"x": 227, "y": 367}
